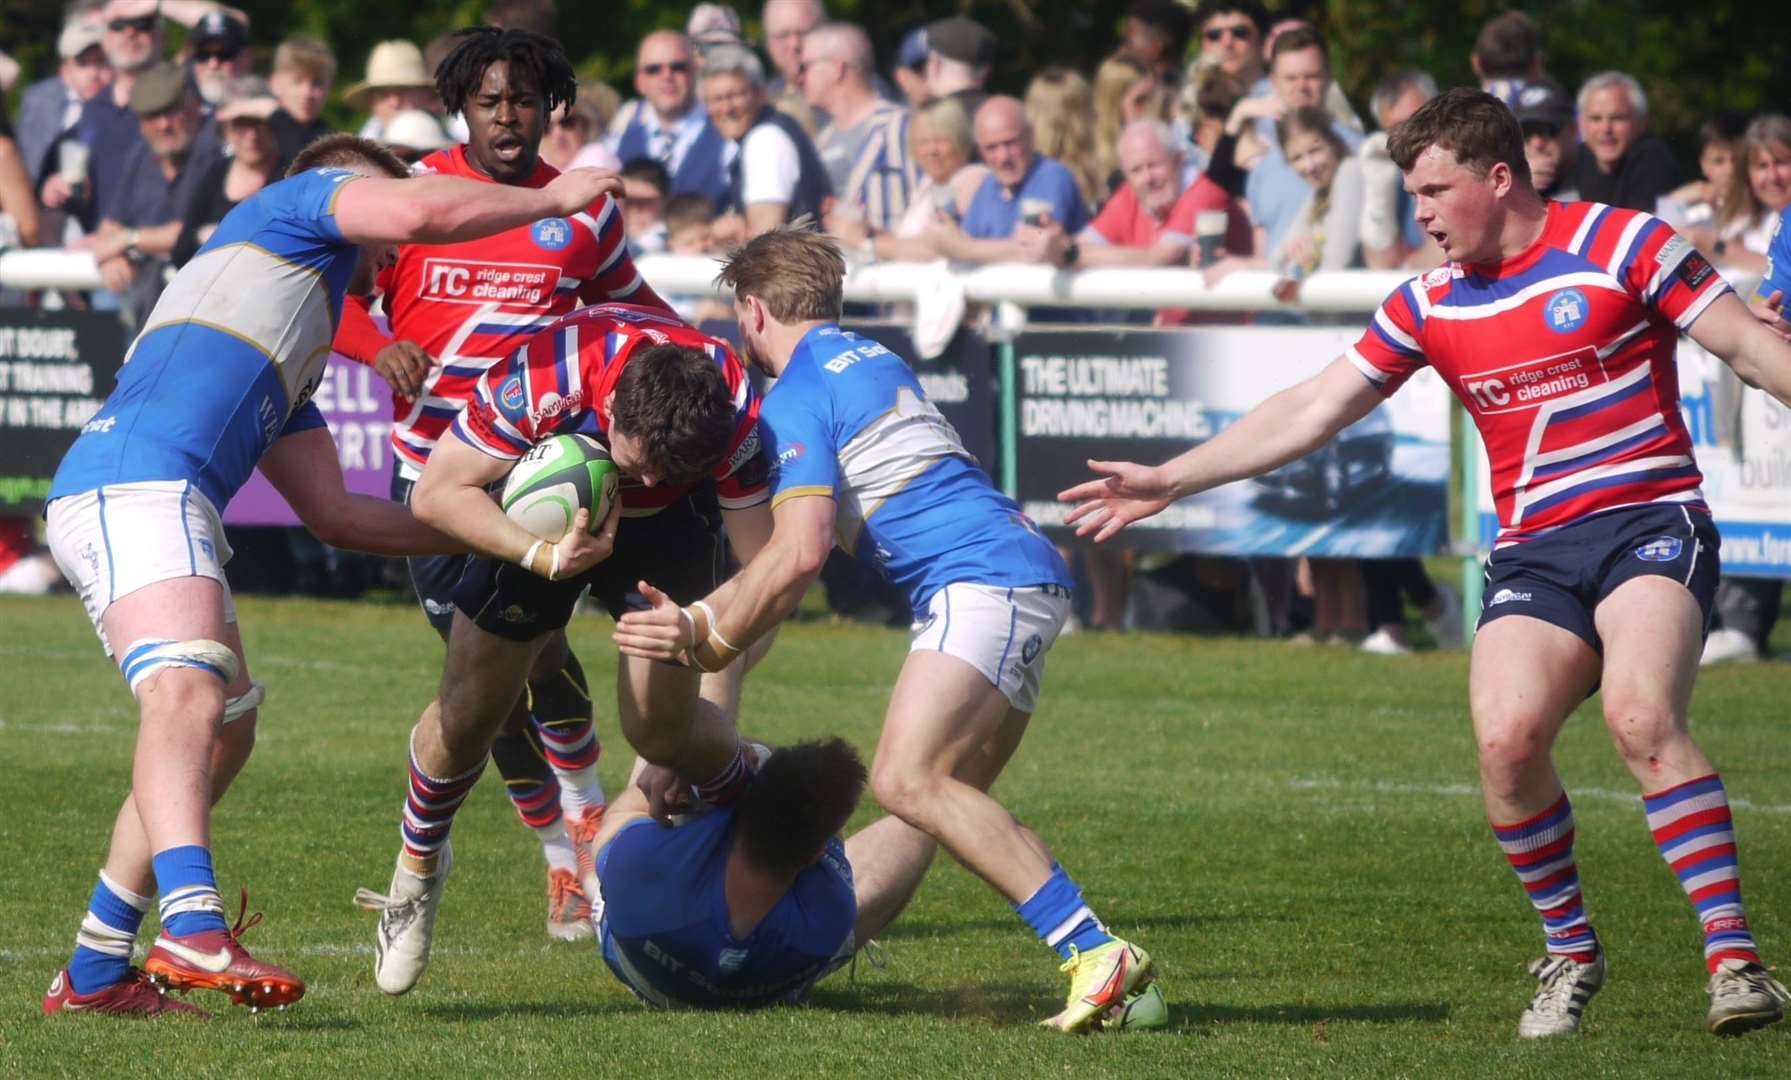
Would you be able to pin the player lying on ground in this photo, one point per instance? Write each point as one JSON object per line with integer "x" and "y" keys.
{"x": 678, "y": 415}
{"x": 861, "y": 455}
{"x": 446, "y": 330}
{"x": 1556, "y": 326}
{"x": 744, "y": 905}
{"x": 220, "y": 381}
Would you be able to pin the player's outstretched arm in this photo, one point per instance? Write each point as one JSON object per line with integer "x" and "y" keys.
{"x": 303, "y": 469}
{"x": 1758, "y": 355}
{"x": 1292, "y": 423}
{"x": 451, "y": 496}
{"x": 449, "y": 209}
{"x": 749, "y": 605}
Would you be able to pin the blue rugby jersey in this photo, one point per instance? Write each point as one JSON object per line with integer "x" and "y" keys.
{"x": 229, "y": 358}
{"x": 848, "y": 419}
{"x": 665, "y": 929}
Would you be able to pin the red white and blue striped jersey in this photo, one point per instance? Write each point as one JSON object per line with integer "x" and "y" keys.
{"x": 556, "y": 382}
{"x": 1564, "y": 357}
{"x": 469, "y": 304}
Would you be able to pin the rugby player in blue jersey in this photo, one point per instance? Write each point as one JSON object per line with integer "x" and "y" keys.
{"x": 744, "y": 905}
{"x": 218, "y": 383}
{"x": 860, "y": 455}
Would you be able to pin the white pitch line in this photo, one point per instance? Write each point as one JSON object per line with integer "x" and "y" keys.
{"x": 1577, "y": 794}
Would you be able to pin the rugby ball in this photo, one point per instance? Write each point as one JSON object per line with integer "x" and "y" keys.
{"x": 1145, "y": 1010}
{"x": 546, "y": 489}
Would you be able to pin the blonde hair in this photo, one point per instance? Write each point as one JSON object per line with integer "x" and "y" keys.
{"x": 947, "y": 115}
{"x": 1764, "y": 135}
{"x": 797, "y": 273}
{"x": 1059, "y": 108}
{"x": 306, "y": 55}
{"x": 1115, "y": 76}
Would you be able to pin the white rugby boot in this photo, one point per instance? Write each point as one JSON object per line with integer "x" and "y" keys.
{"x": 1567, "y": 985}
{"x": 406, "y": 923}
{"x": 1744, "y": 996}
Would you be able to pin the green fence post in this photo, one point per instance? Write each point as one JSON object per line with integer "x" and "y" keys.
{"x": 1010, "y": 420}
{"x": 1468, "y": 470}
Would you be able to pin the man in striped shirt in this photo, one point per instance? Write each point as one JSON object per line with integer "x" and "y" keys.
{"x": 1556, "y": 325}
{"x": 865, "y": 143}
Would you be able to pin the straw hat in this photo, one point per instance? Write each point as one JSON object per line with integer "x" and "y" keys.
{"x": 414, "y": 129}
{"x": 392, "y": 63}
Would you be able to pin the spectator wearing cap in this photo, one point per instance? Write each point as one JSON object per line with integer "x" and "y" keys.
{"x": 250, "y": 163}
{"x": 1025, "y": 204}
{"x": 959, "y": 53}
{"x": 141, "y": 215}
{"x": 133, "y": 42}
{"x": 304, "y": 71}
{"x": 710, "y": 25}
{"x": 50, "y": 107}
{"x": 1546, "y": 117}
{"x": 1619, "y": 163}
{"x": 1152, "y": 217}
{"x": 396, "y": 80}
{"x": 865, "y": 142}
{"x": 1231, "y": 39}
{"x": 1300, "y": 75}
{"x": 910, "y": 71}
{"x": 775, "y": 174}
{"x": 666, "y": 124}
{"x": 1507, "y": 56}
{"x": 414, "y": 134}
{"x": 219, "y": 44}
{"x": 1156, "y": 35}
{"x": 1391, "y": 235}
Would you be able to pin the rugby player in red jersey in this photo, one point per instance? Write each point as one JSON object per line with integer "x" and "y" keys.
{"x": 679, "y": 416}
{"x": 1556, "y": 325}
{"x": 456, "y": 309}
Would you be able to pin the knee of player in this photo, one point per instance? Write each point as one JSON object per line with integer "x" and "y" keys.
{"x": 181, "y": 695}
{"x": 1511, "y": 743}
{"x": 901, "y": 787}
{"x": 1639, "y": 726}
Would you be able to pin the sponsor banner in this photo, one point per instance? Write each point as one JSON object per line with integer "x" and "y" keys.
{"x": 357, "y": 404}
{"x": 960, "y": 380}
{"x": 1379, "y": 490}
{"x": 1742, "y": 439}
{"x": 56, "y": 368}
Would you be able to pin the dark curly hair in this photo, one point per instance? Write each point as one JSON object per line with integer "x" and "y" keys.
{"x": 801, "y": 796}
{"x": 477, "y": 48}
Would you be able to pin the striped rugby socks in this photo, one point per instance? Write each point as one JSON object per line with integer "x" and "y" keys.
{"x": 1061, "y": 918}
{"x": 430, "y": 806}
{"x": 1540, "y": 849}
{"x": 103, "y": 946}
{"x": 1693, "y": 830}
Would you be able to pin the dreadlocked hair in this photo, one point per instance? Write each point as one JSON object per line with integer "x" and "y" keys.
{"x": 535, "y": 56}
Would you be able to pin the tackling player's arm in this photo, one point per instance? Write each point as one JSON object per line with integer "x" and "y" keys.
{"x": 449, "y": 209}
{"x": 451, "y": 496}
{"x": 750, "y": 604}
{"x": 630, "y": 805}
{"x": 1290, "y": 424}
{"x": 303, "y": 469}
{"x": 1760, "y": 357}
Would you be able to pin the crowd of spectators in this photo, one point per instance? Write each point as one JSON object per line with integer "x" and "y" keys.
{"x": 1211, "y": 137}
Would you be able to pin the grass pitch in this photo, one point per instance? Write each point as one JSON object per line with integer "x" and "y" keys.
{"x": 1294, "y": 833}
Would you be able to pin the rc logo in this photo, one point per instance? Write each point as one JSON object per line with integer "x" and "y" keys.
{"x": 511, "y": 398}
{"x": 551, "y": 234}
{"x": 1661, "y": 549}
{"x": 1506, "y": 596}
{"x": 1565, "y": 311}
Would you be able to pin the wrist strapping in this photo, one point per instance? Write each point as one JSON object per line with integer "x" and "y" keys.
{"x": 542, "y": 563}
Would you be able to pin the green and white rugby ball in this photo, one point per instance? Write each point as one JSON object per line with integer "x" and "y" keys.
{"x": 546, "y": 489}
{"x": 1145, "y": 1010}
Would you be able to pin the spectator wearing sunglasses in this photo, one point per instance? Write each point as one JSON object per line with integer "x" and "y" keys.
{"x": 1550, "y": 139}
{"x": 667, "y": 125}
{"x": 220, "y": 53}
{"x": 1156, "y": 36}
{"x": 1231, "y": 39}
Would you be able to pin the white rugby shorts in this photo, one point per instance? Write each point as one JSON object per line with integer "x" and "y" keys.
{"x": 119, "y": 538}
{"x": 1002, "y": 632}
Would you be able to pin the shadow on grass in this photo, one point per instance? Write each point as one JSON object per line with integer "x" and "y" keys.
{"x": 905, "y": 928}
{"x": 1204, "y": 1014}
{"x": 554, "y": 1010}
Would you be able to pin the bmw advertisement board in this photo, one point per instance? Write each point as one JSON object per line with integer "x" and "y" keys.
{"x": 1379, "y": 490}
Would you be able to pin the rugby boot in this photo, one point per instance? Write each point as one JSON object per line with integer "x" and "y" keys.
{"x": 568, "y": 911}
{"x": 1744, "y": 996}
{"x": 406, "y": 922}
{"x": 1100, "y": 979}
{"x": 132, "y": 996}
{"x": 1567, "y": 985}
{"x": 216, "y": 960}
{"x": 583, "y": 830}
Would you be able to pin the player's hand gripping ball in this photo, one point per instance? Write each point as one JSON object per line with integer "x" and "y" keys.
{"x": 548, "y": 486}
